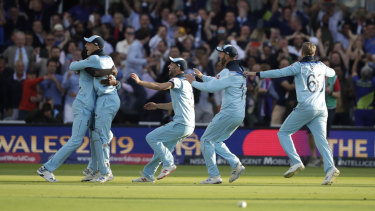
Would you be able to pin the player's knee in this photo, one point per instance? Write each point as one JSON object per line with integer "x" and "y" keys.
{"x": 74, "y": 143}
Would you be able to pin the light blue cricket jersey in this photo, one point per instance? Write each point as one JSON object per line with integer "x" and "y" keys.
{"x": 99, "y": 62}
{"x": 86, "y": 94}
{"x": 182, "y": 101}
{"x": 309, "y": 77}
{"x": 233, "y": 84}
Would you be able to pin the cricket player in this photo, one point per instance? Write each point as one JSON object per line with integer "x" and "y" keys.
{"x": 232, "y": 113}
{"x": 163, "y": 139}
{"x": 309, "y": 76}
{"x": 88, "y": 99}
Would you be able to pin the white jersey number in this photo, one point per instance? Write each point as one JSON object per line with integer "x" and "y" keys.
{"x": 313, "y": 83}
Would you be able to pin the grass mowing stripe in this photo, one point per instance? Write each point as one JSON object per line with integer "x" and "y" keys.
{"x": 262, "y": 187}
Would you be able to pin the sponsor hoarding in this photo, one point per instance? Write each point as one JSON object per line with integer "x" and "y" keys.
{"x": 36, "y": 144}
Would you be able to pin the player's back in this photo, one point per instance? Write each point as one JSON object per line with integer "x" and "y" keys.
{"x": 310, "y": 84}
{"x": 234, "y": 95}
{"x": 102, "y": 62}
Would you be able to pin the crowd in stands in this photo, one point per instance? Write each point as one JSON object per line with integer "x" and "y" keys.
{"x": 40, "y": 38}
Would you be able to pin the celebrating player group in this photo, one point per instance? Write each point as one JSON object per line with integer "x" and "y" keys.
{"x": 97, "y": 103}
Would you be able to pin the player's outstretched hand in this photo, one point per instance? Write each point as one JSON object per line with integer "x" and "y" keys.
{"x": 109, "y": 81}
{"x": 135, "y": 77}
{"x": 150, "y": 106}
{"x": 197, "y": 72}
{"x": 247, "y": 73}
{"x": 190, "y": 78}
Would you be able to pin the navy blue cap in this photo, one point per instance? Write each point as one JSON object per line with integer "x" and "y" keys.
{"x": 96, "y": 40}
{"x": 179, "y": 62}
{"x": 228, "y": 49}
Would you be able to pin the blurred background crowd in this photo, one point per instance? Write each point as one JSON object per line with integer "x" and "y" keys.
{"x": 40, "y": 38}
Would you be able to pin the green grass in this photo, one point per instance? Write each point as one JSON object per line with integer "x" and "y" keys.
{"x": 263, "y": 188}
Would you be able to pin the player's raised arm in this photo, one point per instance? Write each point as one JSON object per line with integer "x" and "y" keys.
{"x": 278, "y": 73}
{"x": 151, "y": 85}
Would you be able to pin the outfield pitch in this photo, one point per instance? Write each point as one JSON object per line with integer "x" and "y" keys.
{"x": 263, "y": 188}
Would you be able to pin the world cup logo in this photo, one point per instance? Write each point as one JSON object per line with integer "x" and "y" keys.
{"x": 188, "y": 145}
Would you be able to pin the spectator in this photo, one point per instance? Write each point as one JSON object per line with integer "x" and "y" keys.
{"x": 7, "y": 76}
{"x": 15, "y": 21}
{"x": 282, "y": 86}
{"x": 123, "y": 46}
{"x": 38, "y": 34}
{"x": 370, "y": 38}
{"x": 55, "y": 55}
{"x": 244, "y": 17}
{"x": 118, "y": 26}
{"x": 37, "y": 11}
{"x": 43, "y": 114}
{"x": 160, "y": 35}
{"x": 19, "y": 51}
{"x": 70, "y": 84}
{"x": 345, "y": 103}
{"x": 29, "y": 93}
{"x": 51, "y": 87}
{"x": 364, "y": 88}
{"x": 106, "y": 33}
{"x": 135, "y": 63}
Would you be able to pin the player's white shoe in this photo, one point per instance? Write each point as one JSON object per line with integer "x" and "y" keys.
{"x": 111, "y": 177}
{"x": 87, "y": 171}
{"x": 212, "y": 180}
{"x": 89, "y": 177}
{"x": 143, "y": 179}
{"x": 43, "y": 172}
{"x": 236, "y": 173}
{"x": 166, "y": 171}
{"x": 331, "y": 176}
{"x": 293, "y": 170}
{"x": 102, "y": 178}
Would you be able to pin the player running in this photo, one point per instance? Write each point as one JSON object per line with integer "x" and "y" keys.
{"x": 163, "y": 139}
{"x": 309, "y": 76}
{"x": 232, "y": 113}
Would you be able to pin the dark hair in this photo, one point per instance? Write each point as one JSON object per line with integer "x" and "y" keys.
{"x": 66, "y": 46}
{"x": 324, "y": 59}
{"x": 142, "y": 33}
{"x": 51, "y": 60}
{"x": 46, "y": 107}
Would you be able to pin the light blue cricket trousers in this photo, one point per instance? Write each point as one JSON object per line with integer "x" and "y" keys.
{"x": 93, "y": 163}
{"x": 106, "y": 108}
{"x": 316, "y": 121}
{"x": 162, "y": 140}
{"x": 212, "y": 141}
{"x": 81, "y": 122}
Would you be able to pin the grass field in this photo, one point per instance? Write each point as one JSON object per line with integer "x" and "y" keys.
{"x": 263, "y": 188}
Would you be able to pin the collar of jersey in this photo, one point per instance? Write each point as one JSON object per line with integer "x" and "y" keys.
{"x": 98, "y": 52}
{"x": 181, "y": 75}
{"x": 308, "y": 59}
{"x": 235, "y": 66}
